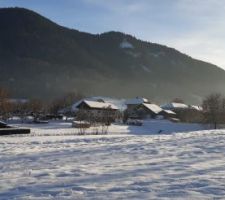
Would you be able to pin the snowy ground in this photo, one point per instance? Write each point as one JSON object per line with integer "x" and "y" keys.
{"x": 120, "y": 166}
{"x": 149, "y": 127}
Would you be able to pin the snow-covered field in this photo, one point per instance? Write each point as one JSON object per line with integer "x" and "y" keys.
{"x": 45, "y": 165}
{"x": 149, "y": 127}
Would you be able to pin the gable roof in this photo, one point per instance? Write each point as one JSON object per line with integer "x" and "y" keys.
{"x": 153, "y": 107}
{"x": 174, "y": 106}
{"x": 96, "y": 104}
{"x": 169, "y": 112}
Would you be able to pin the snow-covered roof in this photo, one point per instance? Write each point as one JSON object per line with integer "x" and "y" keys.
{"x": 170, "y": 112}
{"x": 96, "y": 104}
{"x": 137, "y": 101}
{"x": 173, "y": 105}
{"x": 153, "y": 107}
{"x": 199, "y": 108}
{"x": 120, "y": 103}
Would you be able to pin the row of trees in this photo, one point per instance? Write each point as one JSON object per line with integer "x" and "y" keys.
{"x": 35, "y": 107}
{"x": 99, "y": 120}
{"x": 5, "y": 105}
{"x": 214, "y": 109}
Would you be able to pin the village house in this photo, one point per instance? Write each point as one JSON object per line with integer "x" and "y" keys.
{"x": 95, "y": 109}
{"x": 142, "y": 108}
{"x": 185, "y": 113}
{"x": 174, "y": 106}
{"x": 133, "y": 103}
{"x": 167, "y": 114}
{"x": 147, "y": 110}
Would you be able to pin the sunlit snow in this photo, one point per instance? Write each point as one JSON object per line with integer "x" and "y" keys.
{"x": 132, "y": 165}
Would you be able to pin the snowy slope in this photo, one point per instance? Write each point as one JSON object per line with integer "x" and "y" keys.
{"x": 175, "y": 166}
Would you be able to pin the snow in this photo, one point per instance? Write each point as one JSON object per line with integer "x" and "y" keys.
{"x": 170, "y": 112}
{"x": 120, "y": 103}
{"x": 171, "y": 106}
{"x": 151, "y": 126}
{"x": 153, "y": 107}
{"x": 95, "y": 104}
{"x": 199, "y": 108}
{"x": 123, "y": 166}
{"x": 126, "y": 45}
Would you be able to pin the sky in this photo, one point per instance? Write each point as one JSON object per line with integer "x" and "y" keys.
{"x": 194, "y": 27}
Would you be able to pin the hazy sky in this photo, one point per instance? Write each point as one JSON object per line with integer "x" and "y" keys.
{"x": 195, "y": 27}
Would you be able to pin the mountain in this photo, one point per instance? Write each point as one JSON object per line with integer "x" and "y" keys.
{"x": 40, "y": 59}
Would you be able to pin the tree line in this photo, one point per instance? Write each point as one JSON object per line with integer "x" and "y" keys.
{"x": 34, "y": 107}
{"x": 213, "y": 108}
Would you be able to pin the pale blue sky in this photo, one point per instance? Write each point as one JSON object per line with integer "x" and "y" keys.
{"x": 195, "y": 27}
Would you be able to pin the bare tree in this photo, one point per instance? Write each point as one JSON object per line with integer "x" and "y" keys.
{"x": 5, "y": 104}
{"x": 36, "y": 108}
{"x": 64, "y": 102}
{"x": 22, "y": 109}
{"x": 83, "y": 117}
{"x": 213, "y": 109}
{"x": 125, "y": 116}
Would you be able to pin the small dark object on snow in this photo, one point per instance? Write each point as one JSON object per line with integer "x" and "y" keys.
{"x": 3, "y": 125}
{"x": 12, "y": 131}
{"x": 5, "y": 129}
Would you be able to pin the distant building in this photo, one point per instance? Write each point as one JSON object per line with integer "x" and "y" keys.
{"x": 167, "y": 114}
{"x": 96, "y": 109}
{"x": 142, "y": 108}
{"x": 175, "y": 106}
{"x": 133, "y": 103}
{"x": 147, "y": 110}
{"x": 95, "y": 105}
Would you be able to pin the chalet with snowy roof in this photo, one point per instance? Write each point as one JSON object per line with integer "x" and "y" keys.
{"x": 96, "y": 109}
{"x": 167, "y": 114}
{"x": 175, "y": 106}
{"x": 147, "y": 110}
{"x": 95, "y": 105}
{"x": 133, "y": 103}
{"x": 142, "y": 108}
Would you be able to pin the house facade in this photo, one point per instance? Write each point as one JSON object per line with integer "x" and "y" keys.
{"x": 90, "y": 110}
{"x": 142, "y": 108}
